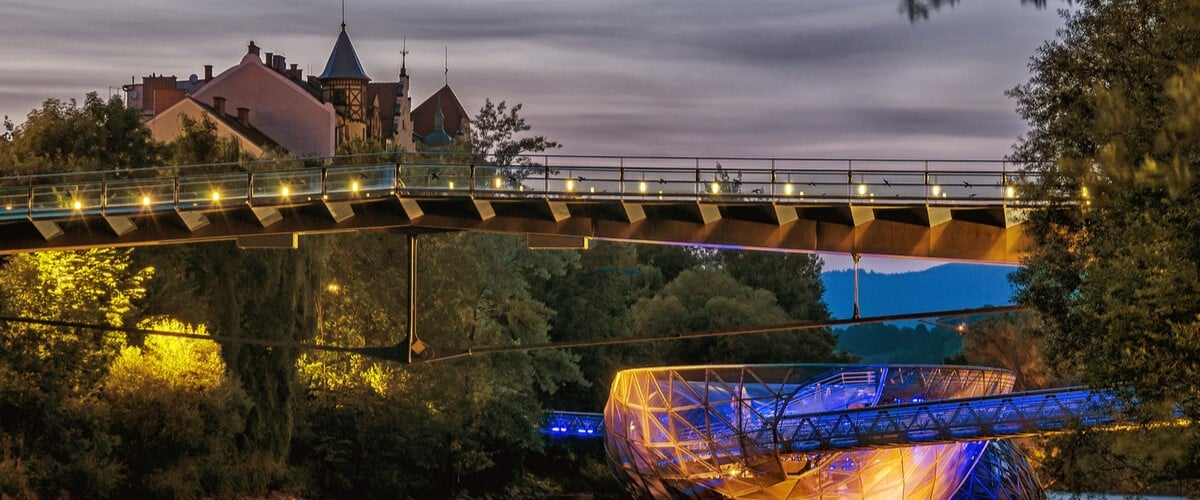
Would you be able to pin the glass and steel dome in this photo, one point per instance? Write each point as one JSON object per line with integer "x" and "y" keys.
{"x": 737, "y": 431}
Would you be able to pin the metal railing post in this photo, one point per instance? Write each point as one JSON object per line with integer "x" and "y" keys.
{"x": 621, "y": 177}
{"x": 773, "y": 178}
{"x": 699, "y": 183}
{"x": 926, "y": 187}
{"x": 849, "y": 180}
{"x": 250, "y": 188}
{"x": 472, "y": 190}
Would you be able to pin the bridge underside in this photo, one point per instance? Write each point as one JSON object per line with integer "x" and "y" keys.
{"x": 945, "y": 232}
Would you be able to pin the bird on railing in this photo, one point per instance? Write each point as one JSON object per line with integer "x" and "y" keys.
{"x": 662, "y": 181}
{"x": 886, "y": 183}
{"x": 581, "y": 178}
{"x": 757, "y": 191}
{"x": 967, "y": 185}
{"x": 434, "y": 176}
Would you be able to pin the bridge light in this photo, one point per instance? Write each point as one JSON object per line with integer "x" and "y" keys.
{"x": 642, "y": 187}
{"x": 216, "y": 196}
{"x": 570, "y": 185}
{"x": 1010, "y": 192}
{"x": 354, "y": 187}
{"x": 145, "y": 201}
{"x": 936, "y": 190}
{"x": 451, "y": 185}
{"x": 1084, "y": 193}
{"x": 862, "y": 189}
{"x": 497, "y": 182}
{"x": 592, "y": 189}
{"x": 285, "y": 191}
{"x": 8, "y": 207}
{"x": 787, "y": 189}
{"x": 78, "y": 205}
{"x": 716, "y": 187}
{"x": 802, "y": 194}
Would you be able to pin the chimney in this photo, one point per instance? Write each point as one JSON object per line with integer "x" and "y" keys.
{"x": 244, "y": 116}
{"x": 207, "y": 72}
{"x": 219, "y": 105}
{"x": 277, "y": 63}
{"x": 270, "y": 60}
{"x": 252, "y": 49}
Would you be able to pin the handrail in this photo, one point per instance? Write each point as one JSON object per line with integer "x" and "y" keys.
{"x": 665, "y": 179}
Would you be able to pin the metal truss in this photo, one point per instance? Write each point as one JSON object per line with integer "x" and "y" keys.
{"x": 968, "y": 419}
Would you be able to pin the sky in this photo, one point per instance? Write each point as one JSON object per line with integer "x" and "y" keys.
{"x": 779, "y": 78}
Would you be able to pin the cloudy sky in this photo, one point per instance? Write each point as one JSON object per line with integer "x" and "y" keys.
{"x": 796, "y": 78}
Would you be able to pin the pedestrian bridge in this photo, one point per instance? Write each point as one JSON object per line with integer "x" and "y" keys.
{"x": 948, "y": 210}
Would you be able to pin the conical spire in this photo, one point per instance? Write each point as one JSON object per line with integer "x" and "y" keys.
{"x": 343, "y": 61}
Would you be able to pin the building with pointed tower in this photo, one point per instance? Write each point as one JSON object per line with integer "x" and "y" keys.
{"x": 279, "y": 108}
{"x": 344, "y": 84}
{"x": 441, "y": 115}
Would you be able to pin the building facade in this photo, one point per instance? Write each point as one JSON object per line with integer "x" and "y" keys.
{"x": 278, "y": 107}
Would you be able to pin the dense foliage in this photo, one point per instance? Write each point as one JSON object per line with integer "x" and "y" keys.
{"x": 91, "y": 414}
{"x": 1114, "y": 120}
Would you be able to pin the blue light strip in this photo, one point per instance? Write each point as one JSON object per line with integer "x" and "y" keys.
{"x": 917, "y": 422}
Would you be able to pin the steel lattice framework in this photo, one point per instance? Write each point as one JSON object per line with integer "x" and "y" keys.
{"x": 814, "y": 431}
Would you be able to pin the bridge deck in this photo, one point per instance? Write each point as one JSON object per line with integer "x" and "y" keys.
{"x": 944, "y": 210}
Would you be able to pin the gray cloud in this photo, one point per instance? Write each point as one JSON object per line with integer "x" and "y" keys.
{"x": 698, "y": 77}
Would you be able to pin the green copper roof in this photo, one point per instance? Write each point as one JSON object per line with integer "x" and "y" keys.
{"x": 438, "y": 137}
{"x": 343, "y": 61}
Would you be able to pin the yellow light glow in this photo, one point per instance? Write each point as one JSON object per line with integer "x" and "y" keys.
{"x": 1010, "y": 192}
{"x": 497, "y": 182}
{"x": 8, "y": 207}
{"x": 78, "y": 205}
{"x": 521, "y": 187}
{"x": 285, "y": 191}
{"x": 936, "y": 190}
{"x": 333, "y": 288}
{"x": 642, "y": 187}
{"x": 716, "y": 187}
{"x": 145, "y": 201}
{"x": 802, "y": 194}
{"x": 787, "y": 189}
{"x": 354, "y": 187}
{"x": 862, "y": 189}
{"x": 1084, "y": 193}
{"x": 570, "y": 185}
{"x": 216, "y": 196}
{"x": 451, "y": 185}
{"x": 592, "y": 189}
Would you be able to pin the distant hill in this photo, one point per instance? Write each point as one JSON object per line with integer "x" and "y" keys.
{"x": 941, "y": 288}
{"x": 945, "y": 287}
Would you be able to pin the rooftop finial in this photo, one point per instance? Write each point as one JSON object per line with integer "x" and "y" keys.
{"x": 403, "y": 55}
{"x": 343, "y": 15}
{"x": 446, "y": 64}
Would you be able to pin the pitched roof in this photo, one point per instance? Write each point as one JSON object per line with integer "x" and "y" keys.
{"x": 386, "y": 92}
{"x": 452, "y": 110}
{"x": 343, "y": 61}
{"x": 250, "y": 133}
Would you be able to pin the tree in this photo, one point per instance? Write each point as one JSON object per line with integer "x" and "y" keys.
{"x": 66, "y": 137}
{"x": 496, "y": 140}
{"x": 1113, "y": 110}
{"x": 52, "y": 426}
{"x": 710, "y": 299}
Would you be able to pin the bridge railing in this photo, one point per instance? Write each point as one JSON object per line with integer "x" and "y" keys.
{"x": 646, "y": 179}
